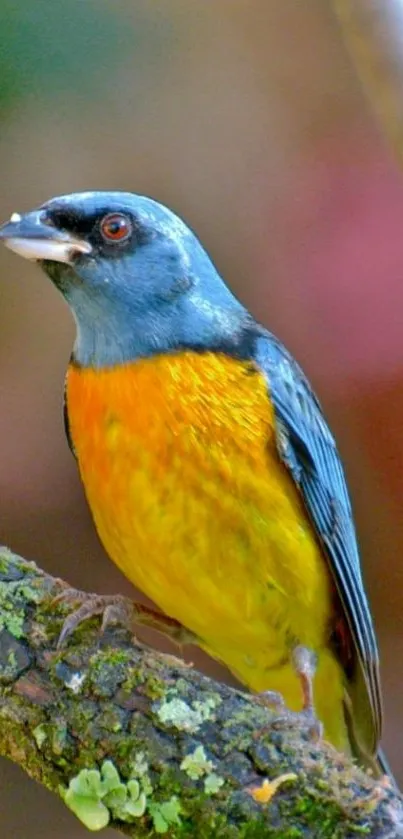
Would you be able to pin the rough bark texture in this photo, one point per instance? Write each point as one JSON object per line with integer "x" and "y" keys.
{"x": 171, "y": 751}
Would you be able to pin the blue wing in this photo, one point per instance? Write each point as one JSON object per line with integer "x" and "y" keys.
{"x": 308, "y": 450}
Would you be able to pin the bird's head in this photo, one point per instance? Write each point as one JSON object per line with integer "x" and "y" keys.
{"x": 134, "y": 275}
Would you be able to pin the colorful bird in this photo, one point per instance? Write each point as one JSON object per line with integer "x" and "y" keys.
{"x": 213, "y": 479}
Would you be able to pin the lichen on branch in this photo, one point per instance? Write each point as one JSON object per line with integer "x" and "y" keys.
{"x": 137, "y": 740}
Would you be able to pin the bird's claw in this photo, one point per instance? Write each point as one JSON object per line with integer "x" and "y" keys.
{"x": 271, "y": 698}
{"x": 112, "y": 608}
{"x": 305, "y": 719}
{"x": 304, "y": 662}
{"x": 117, "y": 609}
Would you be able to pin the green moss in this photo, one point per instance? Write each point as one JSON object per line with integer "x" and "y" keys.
{"x": 196, "y": 764}
{"x": 110, "y": 656}
{"x": 165, "y": 814}
{"x": 14, "y": 595}
{"x": 4, "y": 562}
{"x": 179, "y": 714}
{"x": 12, "y": 660}
{"x": 111, "y": 720}
{"x": 185, "y": 717}
{"x": 139, "y": 766}
{"x": 28, "y": 592}
{"x": 213, "y": 783}
{"x": 243, "y": 719}
{"x": 9, "y": 561}
{"x": 311, "y": 810}
{"x": 11, "y": 618}
{"x": 139, "y": 770}
{"x": 154, "y": 688}
{"x": 170, "y": 782}
{"x": 40, "y": 734}
{"x": 206, "y": 706}
{"x": 96, "y": 796}
{"x": 261, "y": 830}
{"x": 59, "y": 737}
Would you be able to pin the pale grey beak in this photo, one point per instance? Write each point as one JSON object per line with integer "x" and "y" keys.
{"x": 32, "y": 238}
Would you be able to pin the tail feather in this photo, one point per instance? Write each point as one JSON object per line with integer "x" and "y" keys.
{"x": 384, "y": 768}
{"x": 361, "y": 750}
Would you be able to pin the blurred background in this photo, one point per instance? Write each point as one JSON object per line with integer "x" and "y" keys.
{"x": 250, "y": 122}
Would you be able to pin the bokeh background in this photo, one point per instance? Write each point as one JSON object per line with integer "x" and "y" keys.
{"x": 247, "y": 118}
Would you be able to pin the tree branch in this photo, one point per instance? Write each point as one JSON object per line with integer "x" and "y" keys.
{"x": 168, "y": 749}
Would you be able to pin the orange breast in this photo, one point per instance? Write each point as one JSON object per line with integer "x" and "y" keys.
{"x": 178, "y": 459}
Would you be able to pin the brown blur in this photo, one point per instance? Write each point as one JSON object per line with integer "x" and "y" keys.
{"x": 250, "y": 123}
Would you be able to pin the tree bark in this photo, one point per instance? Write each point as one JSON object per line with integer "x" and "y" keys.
{"x": 138, "y": 740}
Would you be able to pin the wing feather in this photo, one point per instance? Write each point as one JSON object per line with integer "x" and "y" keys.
{"x": 308, "y": 450}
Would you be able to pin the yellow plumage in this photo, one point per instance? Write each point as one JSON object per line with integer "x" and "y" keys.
{"x": 179, "y": 462}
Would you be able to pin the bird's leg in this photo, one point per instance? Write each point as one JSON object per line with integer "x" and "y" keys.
{"x": 304, "y": 663}
{"x": 118, "y": 609}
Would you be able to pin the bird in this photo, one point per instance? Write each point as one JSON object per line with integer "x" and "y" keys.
{"x": 212, "y": 476}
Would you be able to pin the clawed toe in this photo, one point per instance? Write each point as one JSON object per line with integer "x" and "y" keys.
{"x": 111, "y": 609}
{"x": 304, "y": 663}
{"x": 307, "y": 720}
{"x": 117, "y": 609}
{"x": 271, "y": 698}
{"x": 71, "y": 596}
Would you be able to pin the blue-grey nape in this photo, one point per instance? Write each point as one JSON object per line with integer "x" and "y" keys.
{"x": 156, "y": 294}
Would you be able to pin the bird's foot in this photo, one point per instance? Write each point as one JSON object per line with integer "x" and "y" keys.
{"x": 304, "y": 661}
{"x": 117, "y": 609}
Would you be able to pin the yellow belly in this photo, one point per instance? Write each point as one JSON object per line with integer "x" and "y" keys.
{"x": 179, "y": 463}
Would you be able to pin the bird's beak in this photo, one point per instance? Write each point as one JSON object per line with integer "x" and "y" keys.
{"x": 31, "y": 237}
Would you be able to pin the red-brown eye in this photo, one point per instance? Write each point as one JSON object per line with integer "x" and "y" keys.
{"x": 115, "y": 227}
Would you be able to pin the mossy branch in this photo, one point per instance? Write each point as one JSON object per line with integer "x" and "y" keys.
{"x": 140, "y": 741}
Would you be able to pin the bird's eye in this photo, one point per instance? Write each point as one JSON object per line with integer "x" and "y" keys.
{"x": 115, "y": 227}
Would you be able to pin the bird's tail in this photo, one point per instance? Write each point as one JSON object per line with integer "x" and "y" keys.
{"x": 384, "y": 768}
{"x": 359, "y": 733}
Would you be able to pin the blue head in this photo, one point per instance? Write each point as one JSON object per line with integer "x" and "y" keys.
{"x": 135, "y": 277}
